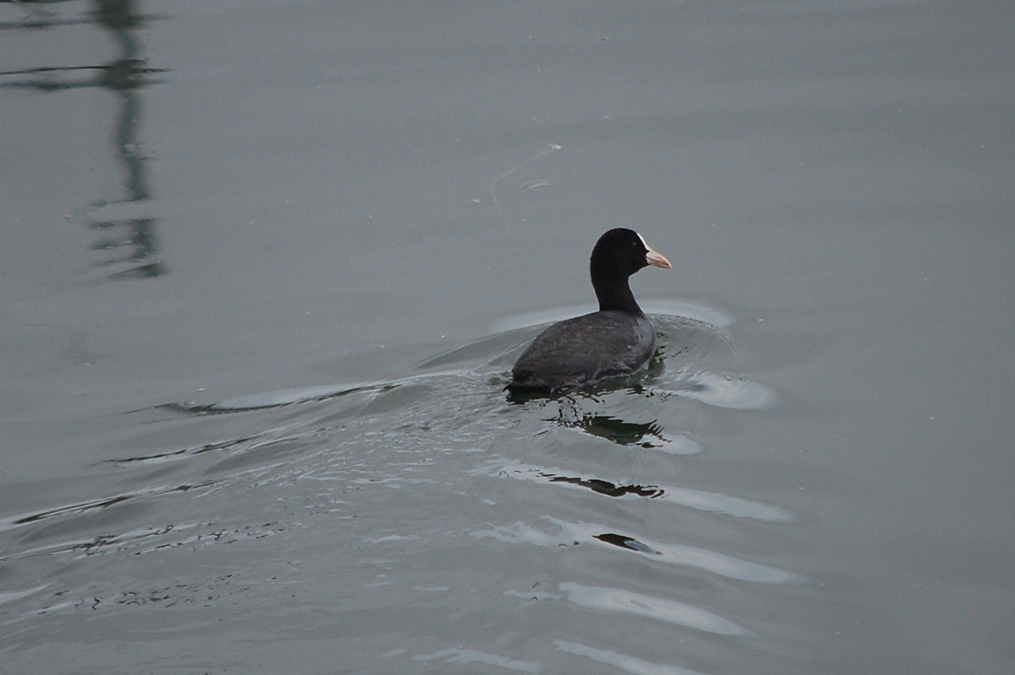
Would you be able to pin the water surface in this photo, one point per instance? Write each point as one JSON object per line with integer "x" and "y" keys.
{"x": 266, "y": 267}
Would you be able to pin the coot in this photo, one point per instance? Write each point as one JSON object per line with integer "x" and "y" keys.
{"x": 616, "y": 340}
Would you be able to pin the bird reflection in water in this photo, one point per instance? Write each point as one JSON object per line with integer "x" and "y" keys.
{"x": 605, "y": 487}
{"x": 614, "y": 429}
{"x": 645, "y": 435}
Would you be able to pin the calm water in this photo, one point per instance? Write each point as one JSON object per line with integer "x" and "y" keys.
{"x": 266, "y": 266}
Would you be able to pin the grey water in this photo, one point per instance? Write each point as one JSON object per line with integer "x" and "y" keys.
{"x": 265, "y": 267}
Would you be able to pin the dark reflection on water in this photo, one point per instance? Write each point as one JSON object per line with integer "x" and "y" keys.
{"x": 117, "y": 221}
{"x": 616, "y": 430}
{"x": 623, "y": 541}
{"x": 612, "y": 428}
{"x": 607, "y": 488}
{"x": 699, "y": 500}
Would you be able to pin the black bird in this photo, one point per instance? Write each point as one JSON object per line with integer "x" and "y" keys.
{"x": 616, "y": 340}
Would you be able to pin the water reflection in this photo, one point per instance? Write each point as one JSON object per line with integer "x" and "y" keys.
{"x": 621, "y": 432}
{"x": 700, "y": 500}
{"x": 605, "y": 487}
{"x": 126, "y": 230}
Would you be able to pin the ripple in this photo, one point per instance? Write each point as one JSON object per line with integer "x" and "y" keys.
{"x": 10, "y": 596}
{"x": 722, "y": 391}
{"x": 712, "y": 502}
{"x": 660, "y": 609}
{"x": 691, "y": 346}
{"x": 93, "y": 505}
{"x": 681, "y": 555}
{"x": 279, "y": 398}
{"x": 626, "y": 663}
{"x": 540, "y": 186}
{"x": 324, "y": 456}
{"x": 460, "y": 655}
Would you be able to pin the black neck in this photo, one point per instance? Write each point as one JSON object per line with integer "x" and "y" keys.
{"x": 614, "y": 293}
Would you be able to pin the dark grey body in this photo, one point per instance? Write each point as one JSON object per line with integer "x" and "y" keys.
{"x": 583, "y": 350}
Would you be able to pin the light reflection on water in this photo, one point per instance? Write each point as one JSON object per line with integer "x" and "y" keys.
{"x": 666, "y": 552}
{"x": 659, "y": 609}
{"x": 624, "y": 662}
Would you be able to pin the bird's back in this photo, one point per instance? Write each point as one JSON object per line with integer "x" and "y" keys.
{"x": 583, "y": 350}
